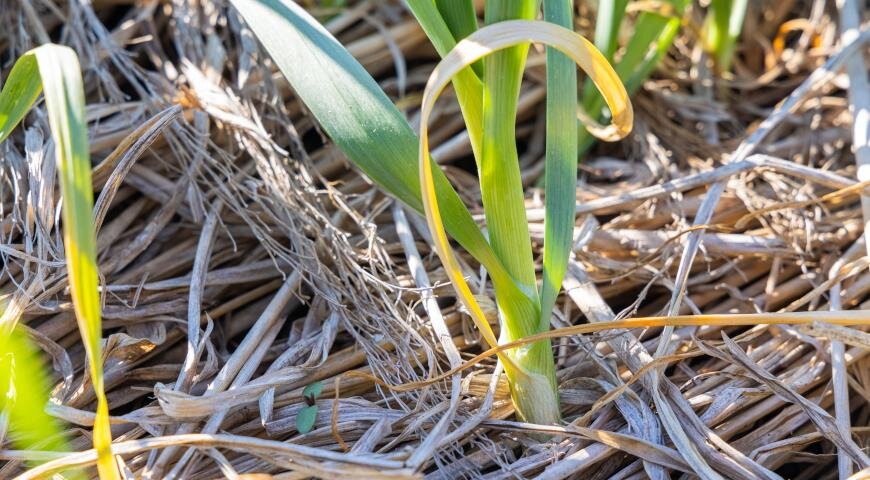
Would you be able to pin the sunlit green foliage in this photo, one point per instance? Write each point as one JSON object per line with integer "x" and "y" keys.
{"x": 55, "y": 70}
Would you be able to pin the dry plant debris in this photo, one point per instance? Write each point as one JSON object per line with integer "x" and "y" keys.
{"x": 242, "y": 260}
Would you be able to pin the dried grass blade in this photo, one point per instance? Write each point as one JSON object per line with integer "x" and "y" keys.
{"x": 826, "y": 424}
{"x": 859, "y": 97}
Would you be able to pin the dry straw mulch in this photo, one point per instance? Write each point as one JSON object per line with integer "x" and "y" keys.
{"x": 243, "y": 260}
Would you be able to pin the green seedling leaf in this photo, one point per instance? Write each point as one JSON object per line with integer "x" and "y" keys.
{"x": 312, "y": 391}
{"x": 305, "y": 418}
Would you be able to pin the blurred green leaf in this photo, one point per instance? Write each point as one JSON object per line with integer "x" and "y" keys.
{"x": 24, "y": 388}
{"x": 607, "y": 22}
{"x": 721, "y": 28}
